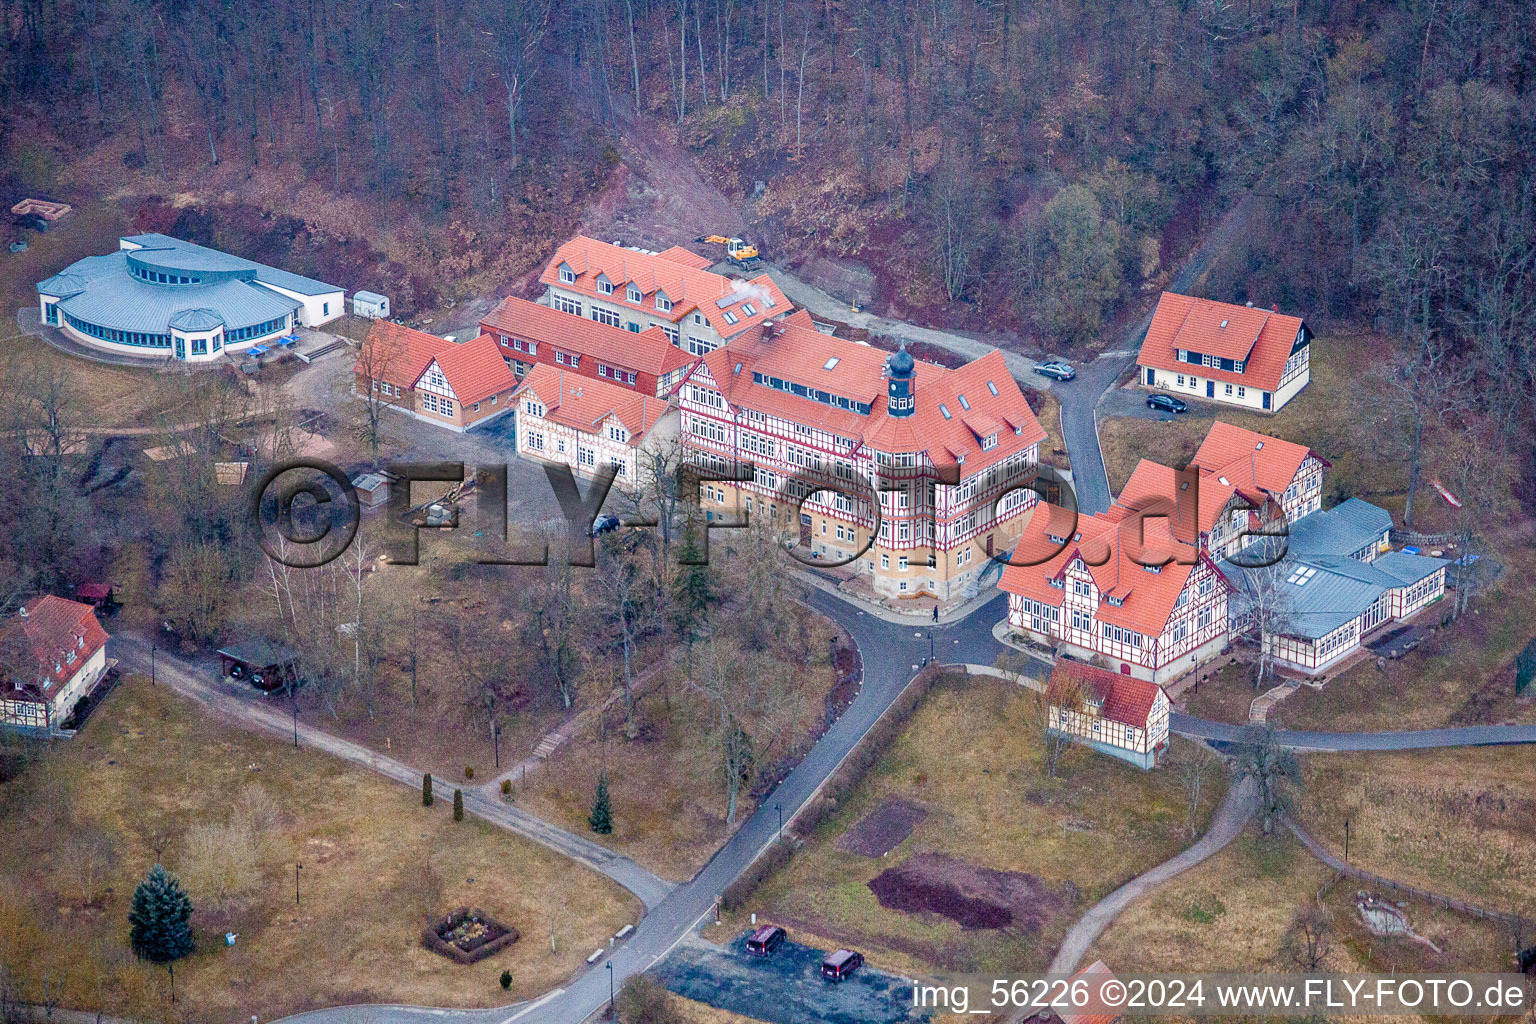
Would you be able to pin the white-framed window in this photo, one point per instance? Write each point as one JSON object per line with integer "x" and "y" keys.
{"x": 663, "y": 303}
{"x": 1242, "y": 392}
{"x": 567, "y": 275}
{"x": 604, "y": 286}
{"x": 885, "y": 561}
{"x": 605, "y": 316}
{"x": 1229, "y": 389}
{"x": 587, "y": 457}
{"x": 632, "y": 293}
{"x": 566, "y": 304}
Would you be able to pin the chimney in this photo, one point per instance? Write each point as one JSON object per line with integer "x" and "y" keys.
{"x": 1249, "y": 303}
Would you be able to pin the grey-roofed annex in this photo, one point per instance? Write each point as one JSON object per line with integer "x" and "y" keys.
{"x": 1332, "y": 570}
{"x": 159, "y": 297}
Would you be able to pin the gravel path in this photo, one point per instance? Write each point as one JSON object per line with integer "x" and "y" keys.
{"x": 1239, "y": 805}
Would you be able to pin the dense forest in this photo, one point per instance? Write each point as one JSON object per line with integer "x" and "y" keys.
{"x": 1028, "y": 168}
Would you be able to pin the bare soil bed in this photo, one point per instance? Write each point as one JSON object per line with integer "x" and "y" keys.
{"x": 972, "y": 896}
{"x": 883, "y": 829}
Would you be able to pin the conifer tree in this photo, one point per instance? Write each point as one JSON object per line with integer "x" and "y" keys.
{"x": 426, "y": 789}
{"x": 601, "y": 818}
{"x": 161, "y": 918}
{"x": 458, "y": 805}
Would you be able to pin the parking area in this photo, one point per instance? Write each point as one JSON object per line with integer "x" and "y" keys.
{"x": 785, "y": 988}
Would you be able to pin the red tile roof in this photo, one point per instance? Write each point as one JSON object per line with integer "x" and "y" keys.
{"x": 1251, "y": 462}
{"x": 475, "y": 368}
{"x": 583, "y": 403}
{"x": 1260, "y": 337}
{"x": 1196, "y": 499}
{"x": 398, "y": 355}
{"x": 649, "y": 351}
{"x": 676, "y": 272}
{"x": 790, "y": 351}
{"x": 48, "y": 629}
{"x": 1109, "y": 544}
{"x": 1126, "y": 699}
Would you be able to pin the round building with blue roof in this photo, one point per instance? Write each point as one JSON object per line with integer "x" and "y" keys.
{"x": 160, "y": 297}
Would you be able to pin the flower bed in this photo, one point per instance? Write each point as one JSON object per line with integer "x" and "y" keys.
{"x": 468, "y": 935}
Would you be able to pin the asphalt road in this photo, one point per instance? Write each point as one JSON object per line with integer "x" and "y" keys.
{"x": 1323, "y": 742}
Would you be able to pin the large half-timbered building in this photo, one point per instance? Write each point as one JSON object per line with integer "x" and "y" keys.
{"x": 828, "y": 423}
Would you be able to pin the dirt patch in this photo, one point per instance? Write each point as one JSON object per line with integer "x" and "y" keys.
{"x": 973, "y": 897}
{"x": 882, "y": 830}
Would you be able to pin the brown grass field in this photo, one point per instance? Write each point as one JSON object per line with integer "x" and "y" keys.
{"x": 669, "y": 804}
{"x": 1461, "y": 823}
{"x": 969, "y": 759}
{"x": 149, "y": 770}
{"x": 1233, "y": 913}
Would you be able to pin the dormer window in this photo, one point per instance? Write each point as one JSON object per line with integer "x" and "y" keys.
{"x": 632, "y": 293}
{"x": 1058, "y": 583}
{"x": 604, "y": 286}
{"x": 663, "y": 303}
{"x": 567, "y": 275}
{"x": 1154, "y": 569}
{"x": 1116, "y": 601}
{"x": 989, "y": 442}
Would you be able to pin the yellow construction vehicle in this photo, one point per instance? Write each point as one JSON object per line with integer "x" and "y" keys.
{"x": 737, "y": 250}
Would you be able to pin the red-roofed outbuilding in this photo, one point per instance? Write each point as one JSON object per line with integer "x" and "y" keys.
{"x": 1115, "y": 714}
{"x": 52, "y": 653}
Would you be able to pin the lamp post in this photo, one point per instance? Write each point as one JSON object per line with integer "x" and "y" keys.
{"x": 780, "y": 809}
{"x": 152, "y": 664}
{"x": 610, "y": 987}
{"x": 293, "y": 692}
{"x": 930, "y": 644}
{"x": 1346, "y": 840}
{"x": 296, "y": 869}
{"x": 496, "y": 745}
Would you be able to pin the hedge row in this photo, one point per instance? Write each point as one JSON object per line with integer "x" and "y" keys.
{"x": 870, "y": 748}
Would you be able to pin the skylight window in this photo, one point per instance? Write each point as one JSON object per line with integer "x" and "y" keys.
{"x": 992, "y": 388}
{"x": 1301, "y": 575}
{"x": 730, "y": 317}
{"x": 1259, "y": 447}
{"x": 746, "y": 307}
{"x": 944, "y": 409}
{"x": 1224, "y": 481}
{"x": 963, "y": 403}
{"x": 1224, "y": 324}
{"x": 830, "y": 364}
